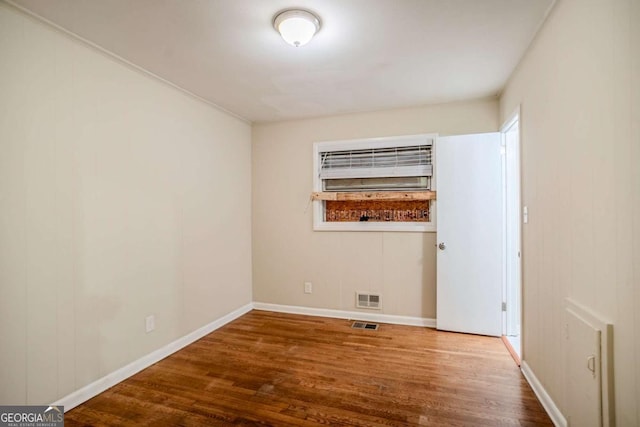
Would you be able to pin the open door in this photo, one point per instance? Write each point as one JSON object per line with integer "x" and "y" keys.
{"x": 470, "y": 234}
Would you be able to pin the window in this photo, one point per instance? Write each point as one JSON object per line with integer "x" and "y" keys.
{"x": 381, "y": 184}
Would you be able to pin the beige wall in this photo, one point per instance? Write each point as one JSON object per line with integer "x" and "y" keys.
{"x": 287, "y": 252}
{"x": 579, "y": 87}
{"x": 120, "y": 197}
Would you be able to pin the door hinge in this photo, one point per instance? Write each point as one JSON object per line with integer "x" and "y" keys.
{"x": 504, "y": 306}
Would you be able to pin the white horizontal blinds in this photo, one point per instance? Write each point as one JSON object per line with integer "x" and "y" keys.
{"x": 412, "y": 160}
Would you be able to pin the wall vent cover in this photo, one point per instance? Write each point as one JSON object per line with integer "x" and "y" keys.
{"x": 365, "y": 300}
{"x": 365, "y": 325}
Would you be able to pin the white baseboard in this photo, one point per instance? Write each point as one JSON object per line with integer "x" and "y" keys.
{"x": 341, "y": 314}
{"x": 87, "y": 392}
{"x": 548, "y": 403}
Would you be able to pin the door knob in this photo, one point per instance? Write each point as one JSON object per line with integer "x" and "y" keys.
{"x": 442, "y": 246}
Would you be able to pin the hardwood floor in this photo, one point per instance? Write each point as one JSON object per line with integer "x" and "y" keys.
{"x": 273, "y": 369}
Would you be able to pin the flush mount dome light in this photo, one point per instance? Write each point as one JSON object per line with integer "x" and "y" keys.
{"x": 296, "y": 26}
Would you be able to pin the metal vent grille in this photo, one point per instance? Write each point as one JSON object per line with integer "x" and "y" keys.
{"x": 365, "y": 325}
{"x": 364, "y": 300}
{"x": 377, "y": 162}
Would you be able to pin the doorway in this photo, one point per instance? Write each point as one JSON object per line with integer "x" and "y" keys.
{"x": 512, "y": 275}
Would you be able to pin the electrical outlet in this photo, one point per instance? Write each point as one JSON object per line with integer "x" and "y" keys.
{"x": 150, "y": 323}
{"x": 308, "y": 287}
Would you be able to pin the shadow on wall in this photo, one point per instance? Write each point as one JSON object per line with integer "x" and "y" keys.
{"x": 429, "y": 272}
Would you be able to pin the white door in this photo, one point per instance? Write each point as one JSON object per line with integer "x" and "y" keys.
{"x": 470, "y": 227}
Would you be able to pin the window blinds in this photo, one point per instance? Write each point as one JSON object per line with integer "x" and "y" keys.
{"x": 377, "y": 162}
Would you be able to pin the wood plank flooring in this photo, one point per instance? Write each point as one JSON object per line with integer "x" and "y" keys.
{"x": 273, "y": 369}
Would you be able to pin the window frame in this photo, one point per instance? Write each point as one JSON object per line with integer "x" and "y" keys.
{"x": 319, "y": 224}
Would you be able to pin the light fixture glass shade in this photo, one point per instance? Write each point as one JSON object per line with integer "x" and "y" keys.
{"x": 297, "y": 27}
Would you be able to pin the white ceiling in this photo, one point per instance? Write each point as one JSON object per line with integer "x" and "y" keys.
{"x": 368, "y": 55}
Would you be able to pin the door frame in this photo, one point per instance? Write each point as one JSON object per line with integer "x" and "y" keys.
{"x": 509, "y": 297}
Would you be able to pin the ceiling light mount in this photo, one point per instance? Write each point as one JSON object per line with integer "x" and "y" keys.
{"x": 296, "y": 26}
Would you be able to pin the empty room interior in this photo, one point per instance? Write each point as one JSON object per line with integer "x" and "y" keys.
{"x": 321, "y": 212}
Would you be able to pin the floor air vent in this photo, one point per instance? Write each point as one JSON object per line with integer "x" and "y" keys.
{"x": 368, "y": 300}
{"x": 365, "y": 325}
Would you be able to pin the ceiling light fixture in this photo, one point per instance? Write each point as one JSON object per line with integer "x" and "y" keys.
{"x": 296, "y": 26}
